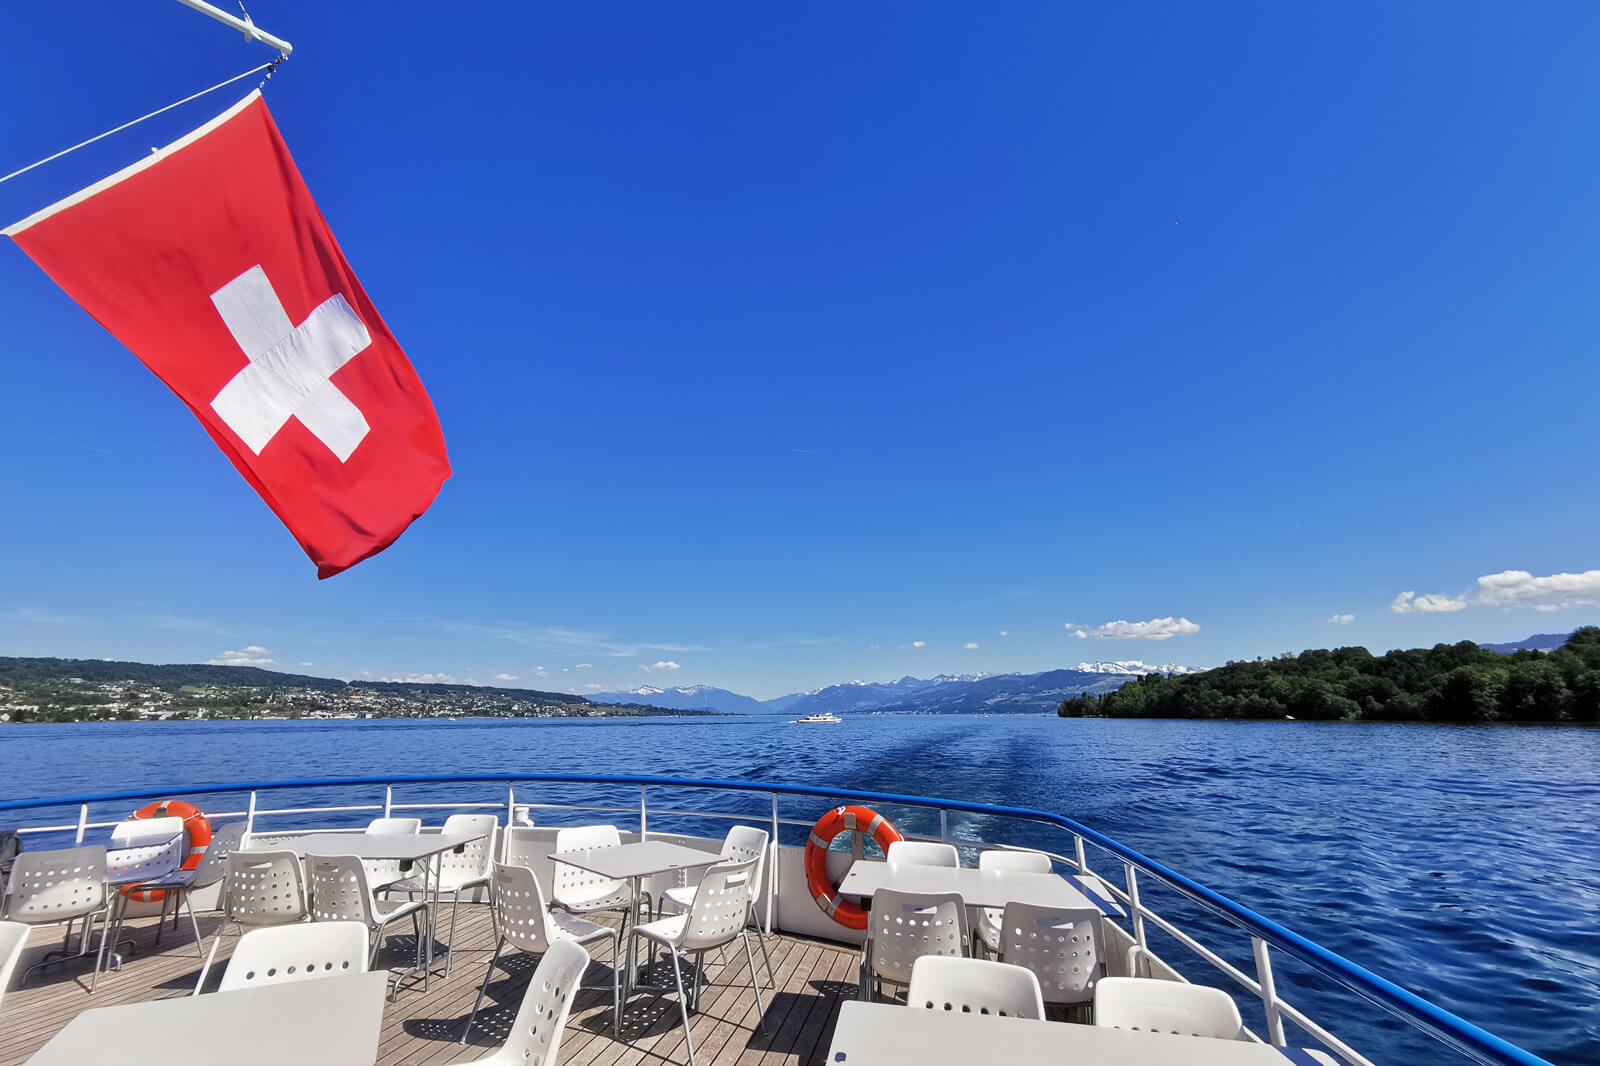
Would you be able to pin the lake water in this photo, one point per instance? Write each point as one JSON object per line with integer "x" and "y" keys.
{"x": 1462, "y": 863}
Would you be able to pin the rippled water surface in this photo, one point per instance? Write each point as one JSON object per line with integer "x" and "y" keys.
{"x": 1462, "y": 863}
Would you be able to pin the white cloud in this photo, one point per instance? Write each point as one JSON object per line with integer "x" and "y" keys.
{"x": 971, "y": 645}
{"x": 919, "y": 644}
{"x": 1080, "y": 634}
{"x": 253, "y": 655}
{"x": 1155, "y": 629}
{"x": 505, "y": 677}
{"x": 1518, "y": 588}
{"x": 308, "y": 663}
{"x": 584, "y": 666}
{"x": 539, "y": 671}
{"x": 1432, "y": 603}
{"x": 1003, "y": 633}
{"x": 577, "y": 641}
{"x": 425, "y": 679}
{"x": 664, "y": 664}
{"x": 1342, "y": 619}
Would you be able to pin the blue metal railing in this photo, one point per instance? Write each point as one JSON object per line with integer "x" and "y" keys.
{"x": 1456, "y": 1032}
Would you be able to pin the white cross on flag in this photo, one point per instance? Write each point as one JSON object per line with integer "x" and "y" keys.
{"x": 210, "y": 260}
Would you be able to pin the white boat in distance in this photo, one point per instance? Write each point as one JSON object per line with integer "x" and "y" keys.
{"x": 825, "y": 716}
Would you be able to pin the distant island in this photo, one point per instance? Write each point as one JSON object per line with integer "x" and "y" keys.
{"x": 93, "y": 690}
{"x": 1457, "y": 683}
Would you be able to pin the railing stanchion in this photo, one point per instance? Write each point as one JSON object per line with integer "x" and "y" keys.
{"x": 1269, "y": 990}
{"x": 83, "y": 823}
{"x": 250, "y": 815}
{"x": 772, "y": 871}
{"x": 388, "y": 800}
{"x": 643, "y": 831}
{"x": 944, "y": 824}
{"x": 1083, "y": 859}
{"x": 1134, "y": 908}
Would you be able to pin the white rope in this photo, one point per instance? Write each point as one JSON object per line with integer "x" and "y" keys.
{"x": 135, "y": 122}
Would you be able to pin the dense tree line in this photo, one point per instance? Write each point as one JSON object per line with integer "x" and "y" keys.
{"x": 1446, "y": 683}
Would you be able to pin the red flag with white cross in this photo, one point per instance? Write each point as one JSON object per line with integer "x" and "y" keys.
{"x": 210, "y": 261}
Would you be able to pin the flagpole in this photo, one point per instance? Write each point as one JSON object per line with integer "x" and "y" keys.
{"x": 243, "y": 25}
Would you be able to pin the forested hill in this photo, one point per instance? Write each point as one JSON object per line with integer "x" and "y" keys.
{"x": 1446, "y": 683}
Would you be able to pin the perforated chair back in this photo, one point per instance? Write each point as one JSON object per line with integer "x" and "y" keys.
{"x": 13, "y": 938}
{"x": 340, "y": 891}
{"x": 394, "y": 826}
{"x": 747, "y": 842}
{"x": 144, "y": 849}
{"x": 1027, "y": 862}
{"x": 55, "y": 886}
{"x": 974, "y": 986}
{"x": 476, "y": 857}
{"x": 923, "y": 853}
{"x": 264, "y": 888}
{"x": 300, "y": 952}
{"x": 535, "y": 1038}
{"x": 905, "y": 926}
{"x": 520, "y": 911}
{"x": 574, "y": 885}
{"x": 214, "y": 863}
{"x": 1061, "y": 945}
{"x": 1166, "y": 1007}
{"x": 721, "y": 905}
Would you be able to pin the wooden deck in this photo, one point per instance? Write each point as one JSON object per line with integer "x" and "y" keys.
{"x": 810, "y": 980}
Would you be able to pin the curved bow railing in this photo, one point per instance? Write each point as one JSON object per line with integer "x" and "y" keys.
{"x": 1456, "y": 1032}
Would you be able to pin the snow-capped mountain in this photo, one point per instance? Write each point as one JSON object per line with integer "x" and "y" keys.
{"x": 685, "y": 698}
{"x": 1134, "y": 667}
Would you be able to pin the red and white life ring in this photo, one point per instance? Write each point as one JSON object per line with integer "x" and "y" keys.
{"x": 197, "y": 834}
{"x": 830, "y": 825}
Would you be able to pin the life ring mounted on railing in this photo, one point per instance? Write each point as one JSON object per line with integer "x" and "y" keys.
{"x": 825, "y": 892}
{"x": 197, "y": 834}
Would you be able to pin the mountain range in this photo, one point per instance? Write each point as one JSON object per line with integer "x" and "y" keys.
{"x": 943, "y": 694}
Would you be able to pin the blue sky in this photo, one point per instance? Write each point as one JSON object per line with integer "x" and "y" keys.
{"x": 784, "y": 347}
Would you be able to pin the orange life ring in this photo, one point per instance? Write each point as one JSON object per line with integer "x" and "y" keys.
{"x": 197, "y": 834}
{"x": 830, "y": 825}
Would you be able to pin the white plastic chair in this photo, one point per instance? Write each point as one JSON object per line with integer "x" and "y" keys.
{"x": 258, "y": 888}
{"x": 1166, "y": 1007}
{"x": 459, "y": 871}
{"x": 974, "y": 986}
{"x": 923, "y": 853}
{"x": 718, "y": 916}
{"x": 340, "y": 893}
{"x": 535, "y": 1038}
{"x": 1031, "y": 862}
{"x": 902, "y": 927}
{"x": 383, "y": 872}
{"x": 284, "y": 953}
{"x": 1061, "y": 945}
{"x": 180, "y": 883}
{"x": 742, "y": 842}
{"x": 580, "y": 892}
{"x": 13, "y": 938}
{"x": 523, "y": 921}
{"x": 49, "y": 887}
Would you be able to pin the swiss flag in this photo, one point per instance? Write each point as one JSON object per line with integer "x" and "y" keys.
{"x": 210, "y": 261}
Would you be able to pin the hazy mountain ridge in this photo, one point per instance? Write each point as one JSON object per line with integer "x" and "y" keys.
{"x": 688, "y": 698}
{"x": 1537, "y": 642}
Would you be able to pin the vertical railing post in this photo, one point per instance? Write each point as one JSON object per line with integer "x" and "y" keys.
{"x": 83, "y": 823}
{"x": 1269, "y": 991}
{"x": 1083, "y": 859}
{"x": 250, "y": 815}
{"x": 1134, "y": 909}
{"x": 643, "y": 815}
{"x": 388, "y": 800}
{"x": 944, "y": 824}
{"x": 772, "y": 873}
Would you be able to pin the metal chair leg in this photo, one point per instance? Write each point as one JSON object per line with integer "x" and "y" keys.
{"x": 450, "y": 948}
{"x": 482, "y": 989}
{"x": 761, "y": 1014}
{"x": 683, "y": 1005}
{"x": 193, "y": 922}
{"x": 616, "y": 984}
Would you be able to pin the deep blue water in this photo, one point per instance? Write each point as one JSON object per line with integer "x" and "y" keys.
{"x": 1460, "y": 862}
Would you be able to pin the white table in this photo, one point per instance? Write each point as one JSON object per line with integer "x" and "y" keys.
{"x": 886, "y": 1034}
{"x": 324, "y": 1021}
{"x": 405, "y": 847}
{"x": 979, "y": 888}
{"x": 634, "y": 862}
